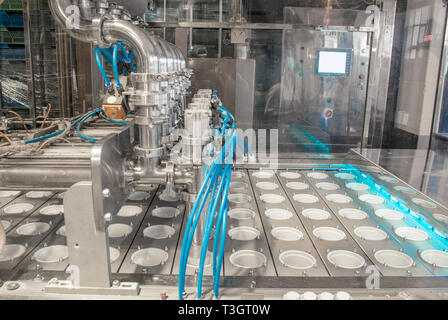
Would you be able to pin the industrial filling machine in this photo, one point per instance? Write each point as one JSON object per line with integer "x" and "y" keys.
{"x": 161, "y": 188}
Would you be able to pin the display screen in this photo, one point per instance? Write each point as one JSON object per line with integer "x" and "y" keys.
{"x": 332, "y": 63}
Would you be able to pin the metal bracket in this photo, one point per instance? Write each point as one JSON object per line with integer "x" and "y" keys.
{"x": 66, "y": 286}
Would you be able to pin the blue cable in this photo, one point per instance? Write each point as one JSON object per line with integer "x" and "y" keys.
{"x": 194, "y": 218}
{"x": 112, "y": 120}
{"x": 78, "y": 128}
{"x": 222, "y": 220}
{"x": 44, "y": 137}
{"x": 100, "y": 66}
{"x": 107, "y": 55}
{"x": 185, "y": 251}
{"x": 115, "y": 62}
{"x": 207, "y": 232}
{"x": 54, "y": 134}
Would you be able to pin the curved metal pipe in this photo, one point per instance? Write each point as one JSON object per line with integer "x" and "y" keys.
{"x": 82, "y": 31}
{"x": 115, "y": 30}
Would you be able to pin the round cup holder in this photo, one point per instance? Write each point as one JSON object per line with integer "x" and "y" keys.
{"x": 346, "y": 259}
{"x": 298, "y": 260}
{"x": 165, "y": 212}
{"x": 149, "y": 257}
{"x": 248, "y": 259}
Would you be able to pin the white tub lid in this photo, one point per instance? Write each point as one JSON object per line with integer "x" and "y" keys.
{"x": 18, "y": 208}
{"x": 317, "y": 175}
{"x": 248, "y": 259}
{"x": 149, "y": 257}
{"x": 394, "y": 259}
{"x": 437, "y": 258}
{"x": 51, "y": 254}
{"x": 244, "y": 233}
{"x": 371, "y": 233}
{"x": 269, "y": 186}
{"x": 305, "y": 198}
{"x": 297, "y": 185}
{"x": 129, "y": 211}
{"x": 329, "y": 234}
{"x": 159, "y": 232}
{"x": 296, "y": 259}
{"x": 339, "y": 198}
{"x": 33, "y": 229}
{"x": 287, "y": 234}
{"x": 119, "y": 230}
{"x": 327, "y": 186}
{"x": 38, "y": 194}
{"x": 241, "y": 214}
{"x": 411, "y": 234}
{"x": 52, "y": 210}
{"x": 278, "y": 214}
{"x": 290, "y": 175}
{"x": 165, "y": 212}
{"x": 353, "y": 214}
{"x": 346, "y": 259}
{"x": 272, "y": 198}
{"x": 316, "y": 214}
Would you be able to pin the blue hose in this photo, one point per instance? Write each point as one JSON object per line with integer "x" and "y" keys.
{"x": 100, "y": 66}
{"x": 107, "y": 55}
{"x": 112, "y": 120}
{"x": 44, "y": 137}
{"x": 224, "y": 185}
{"x": 78, "y": 128}
{"x": 188, "y": 236}
{"x": 222, "y": 220}
{"x": 115, "y": 62}
{"x": 187, "y": 230}
{"x": 54, "y": 134}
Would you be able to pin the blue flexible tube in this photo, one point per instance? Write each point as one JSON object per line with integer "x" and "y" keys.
{"x": 112, "y": 120}
{"x": 187, "y": 229}
{"x": 222, "y": 217}
{"x": 115, "y": 62}
{"x": 107, "y": 55}
{"x": 44, "y": 137}
{"x": 188, "y": 236}
{"x": 54, "y": 134}
{"x": 100, "y": 66}
{"x": 222, "y": 220}
{"x": 82, "y": 136}
{"x": 224, "y": 185}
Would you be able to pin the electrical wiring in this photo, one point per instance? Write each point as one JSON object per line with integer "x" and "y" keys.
{"x": 20, "y": 118}
{"x": 6, "y": 137}
{"x": 46, "y": 116}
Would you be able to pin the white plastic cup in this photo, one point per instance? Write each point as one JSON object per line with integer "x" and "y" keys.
{"x": 291, "y": 295}
{"x": 325, "y": 296}
{"x": 342, "y": 295}
{"x": 309, "y": 296}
